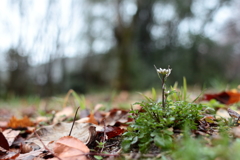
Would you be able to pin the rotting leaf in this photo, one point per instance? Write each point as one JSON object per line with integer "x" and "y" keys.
{"x": 69, "y": 147}
{"x": 20, "y": 123}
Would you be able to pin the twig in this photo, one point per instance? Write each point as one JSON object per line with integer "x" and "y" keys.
{"x": 46, "y": 146}
{"x": 73, "y": 122}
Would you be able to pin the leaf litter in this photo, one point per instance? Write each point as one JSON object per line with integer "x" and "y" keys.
{"x": 20, "y": 141}
{"x": 28, "y": 139}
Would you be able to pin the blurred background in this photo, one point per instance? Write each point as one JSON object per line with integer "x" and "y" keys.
{"x": 50, "y": 46}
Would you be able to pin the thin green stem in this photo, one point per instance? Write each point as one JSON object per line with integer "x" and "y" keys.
{"x": 163, "y": 91}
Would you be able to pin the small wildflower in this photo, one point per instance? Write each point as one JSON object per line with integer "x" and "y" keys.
{"x": 166, "y": 72}
{"x": 167, "y": 92}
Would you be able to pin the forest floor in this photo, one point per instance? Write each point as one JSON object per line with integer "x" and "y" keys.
{"x": 55, "y": 128}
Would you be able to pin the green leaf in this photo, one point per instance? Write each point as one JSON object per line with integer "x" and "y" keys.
{"x": 126, "y": 145}
{"x": 98, "y": 157}
{"x": 184, "y": 89}
{"x": 159, "y": 141}
{"x": 135, "y": 139}
{"x": 154, "y": 94}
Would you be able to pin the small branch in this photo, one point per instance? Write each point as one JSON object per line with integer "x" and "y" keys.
{"x": 73, "y": 122}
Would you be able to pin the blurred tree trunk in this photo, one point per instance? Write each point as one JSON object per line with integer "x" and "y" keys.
{"x": 48, "y": 71}
{"x": 18, "y": 78}
{"x": 142, "y": 23}
{"x": 124, "y": 37}
{"x": 132, "y": 36}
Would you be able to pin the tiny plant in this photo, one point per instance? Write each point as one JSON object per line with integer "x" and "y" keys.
{"x": 155, "y": 124}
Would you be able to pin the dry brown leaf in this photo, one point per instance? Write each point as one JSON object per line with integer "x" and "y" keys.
{"x": 42, "y": 119}
{"x": 116, "y": 115}
{"x": 30, "y": 154}
{"x": 83, "y": 120}
{"x": 233, "y": 113}
{"x": 12, "y": 154}
{"x": 3, "y": 124}
{"x": 20, "y": 123}
{"x": 92, "y": 119}
{"x": 236, "y": 132}
{"x": 11, "y": 135}
{"x": 222, "y": 113}
{"x": 4, "y": 146}
{"x": 70, "y": 148}
{"x": 61, "y": 115}
{"x": 54, "y": 132}
{"x": 25, "y": 148}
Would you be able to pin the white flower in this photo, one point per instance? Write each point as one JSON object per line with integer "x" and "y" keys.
{"x": 167, "y": 92}
{"x": 166, "y": 72}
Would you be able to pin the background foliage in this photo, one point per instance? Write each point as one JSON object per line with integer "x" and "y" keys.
{"x": 134, "y": 35}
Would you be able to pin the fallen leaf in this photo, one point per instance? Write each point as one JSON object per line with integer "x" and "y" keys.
{"x": 3, "y": 124}
{"x": 11, "y": 135}
{"x": 232, "y": 113}
{"x": 12, "y": 154}
{"x": 56, "y": 131}
{"x": 222, "y": 113}
{"x": 30, "y": 154}
{"x": 92, "y": 119}
{"x": 3, "y": 142}
{"x": 83, "y": 120}
{"x": 209, "y": 118}
{"x": 25, "y": 148}
{"x": 69, "y": 147}
{"x": 116, "y": 116}
{"x": 84, "y": 113}
{"x": 112, "y": 131}
{"x": 63, "y": 114}
{"x": 236, "y": 132}
{"x": 42, "y": 119}
{"x": 29, "y": 111}
{"x": 226, "y": 97}
{"x": 20, "y": 123}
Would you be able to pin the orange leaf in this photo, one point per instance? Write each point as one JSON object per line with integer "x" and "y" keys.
{"x": 20, "y": 123}
{"x": 227, "y": 97}
{"x": 70, "y": 148}
{"x": 92, "y": 119}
